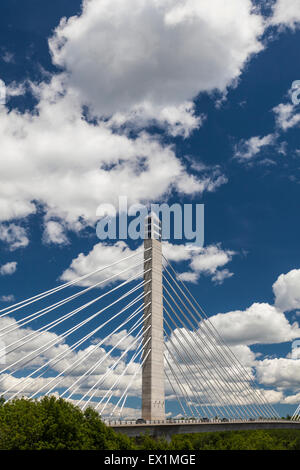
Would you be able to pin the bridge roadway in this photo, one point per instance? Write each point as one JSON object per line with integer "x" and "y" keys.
{"x": 167, "y": 429}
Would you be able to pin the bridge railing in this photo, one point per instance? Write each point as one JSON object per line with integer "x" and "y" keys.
{"x": 182, "y": 421}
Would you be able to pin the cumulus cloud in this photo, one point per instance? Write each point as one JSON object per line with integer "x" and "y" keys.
{"x": 286, "y": 13}
{"x": 13, "y": 235}
{"x": 210, "y": 258}
{"x": 131, "y": 79}
{"x": 201, "y": 261}
{"x": 121, "y": 341}
{"x": 199, "y": 362}
{"x": 7, "y": 298}
{"x": 72, "y": 364}
{"x": 70, "y": 165}
{"x": 8, "y": 268}
{"x": 54, "y": 233}
{"x": 176, "y": 120}
{"x": 104, "y": 255}
{"x": 7, "y": 57}
{"x": 292, "y": 399}
{"x": 286, "y": 116}
{"x": 220, "y": 276}
{"x": 246, "y": 150}
{"x": 160, "y": 56}
{"x": 280, "y": 372}
{"x": 261, "y": 323}
{"x": 287, "y": 290}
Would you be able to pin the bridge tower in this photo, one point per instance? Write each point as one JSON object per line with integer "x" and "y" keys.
{"x": 153, "y": 391}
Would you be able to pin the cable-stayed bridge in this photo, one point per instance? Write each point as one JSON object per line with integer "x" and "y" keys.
{"x": 130, "y": 340}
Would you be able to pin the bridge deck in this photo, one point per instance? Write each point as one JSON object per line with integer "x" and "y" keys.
{"x": 168, "y": 429}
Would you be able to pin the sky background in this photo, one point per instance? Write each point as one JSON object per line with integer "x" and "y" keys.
{"x": 170, "y": 102}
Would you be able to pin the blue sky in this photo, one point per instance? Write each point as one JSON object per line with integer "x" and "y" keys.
{"x": 239, "y": 132}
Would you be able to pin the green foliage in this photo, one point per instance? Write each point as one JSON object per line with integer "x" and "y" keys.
{"x": 54, "y": 424}
{"x": 281, "y": 439}
{"x": 146, "y": 442}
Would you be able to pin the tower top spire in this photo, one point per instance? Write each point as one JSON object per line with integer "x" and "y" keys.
{"x": 152, "y": 227}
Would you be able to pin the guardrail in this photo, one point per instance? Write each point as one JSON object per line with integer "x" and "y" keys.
{"x": 184, "y": 421}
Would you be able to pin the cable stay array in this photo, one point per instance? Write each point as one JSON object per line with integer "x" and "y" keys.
{"x": 296, "y": 415}
{"x": 207, "y": 379}
{"x": 82, "y": 341}
{"x": 88, "y": 341}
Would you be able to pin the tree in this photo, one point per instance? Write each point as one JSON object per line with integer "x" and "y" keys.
{"x": 54, "y": 424}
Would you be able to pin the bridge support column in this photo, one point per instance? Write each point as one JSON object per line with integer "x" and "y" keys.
{"x": 153, "y": 392}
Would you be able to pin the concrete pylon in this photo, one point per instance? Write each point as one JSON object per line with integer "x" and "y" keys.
{"x": 153, "y": 390}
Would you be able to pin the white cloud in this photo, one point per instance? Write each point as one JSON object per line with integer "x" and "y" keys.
{"x": 189, "y": 184}
{"x": 236, "y": 330}
{"x": 8, "y": 57}
{"x": 210, "y": 258}
{"x": 122, "y": 341}
{"x": 7, "y": 298}
{"x": 153, "y": 62}
{"x": 176, "y": 120}
{"x": 287, "y": 290}
{"x": 176, "y": 253}
{"x": 89, "y": 355}
{"x": 164, "y": 54}
{"x": 54, "y": 233}
{"x": 292, "y": 399}
{"x": 14, "y": 235}
{"x": 202, "y": 261}
{"x": 247, "y": 149}
{"x": 286, "y": 13}
{"x": 189, "y": 277}
{"x": 261, "y": 323}
{"x": 221, "y": 275}
{"x": 279, "y": 372}
{"x": 70, "y": 166}
{"x": 211, "y": 371}
{"x": 103, "y": 255}
{"x": 8, "y": 268}
{"x": 286, "y": 116}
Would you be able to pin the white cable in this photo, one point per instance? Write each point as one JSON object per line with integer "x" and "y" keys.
{"x": 68, "y": 332}
{"x": 110, "y": 391}
{"x": 100, "y": 361}
{"x": 139, "y": 349}
{"x": 233, "y": 358}
{"x": 132, "y": 379}
{"x": 221, "y": 373}
{"x": 223, "y": 365}
{"x": 85, "y": 356}
{"x": 181, "y": 386}
{"x": 188, "y": 381}
{"x": 56, "y": 322}
{"x": 52, "y": 307}
{"x": 100, "y": 380}
{"x": 91, "y": 369}
{"x": 94, "y": 367}
{"x": 122, "y": 407}
{"x": 177, "y": 396}
{"x": 62, "y": 286}
{"x": 65, "y": 353}
{"x": 295, "y": 416}
{"x": 108, "y": 372}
